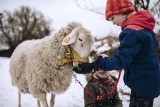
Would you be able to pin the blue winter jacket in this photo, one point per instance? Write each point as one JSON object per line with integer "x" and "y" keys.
{"x": 137, "y": 55}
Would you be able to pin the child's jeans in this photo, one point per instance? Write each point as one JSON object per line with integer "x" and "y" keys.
{"x": 138, "y": 101}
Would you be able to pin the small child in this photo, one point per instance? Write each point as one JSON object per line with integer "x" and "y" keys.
{"x": 99, "y": 84}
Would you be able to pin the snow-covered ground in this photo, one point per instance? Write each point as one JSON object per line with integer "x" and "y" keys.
{"x": 73, "y": 97}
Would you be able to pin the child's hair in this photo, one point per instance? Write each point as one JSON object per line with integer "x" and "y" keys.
{"x": 127, "y": 13}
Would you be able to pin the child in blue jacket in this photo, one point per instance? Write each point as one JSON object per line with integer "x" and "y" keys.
{"x": 137, "y": 53}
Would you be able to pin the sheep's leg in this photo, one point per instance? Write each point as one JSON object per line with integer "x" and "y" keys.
{"x": 38, "y": 103}
{"x": 19, "y": 99}
{"x": 43, "y": 100}
{"x": 52, "y": 100}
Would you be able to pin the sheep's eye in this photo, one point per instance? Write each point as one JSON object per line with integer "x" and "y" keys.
{"x": 80, "y": 39}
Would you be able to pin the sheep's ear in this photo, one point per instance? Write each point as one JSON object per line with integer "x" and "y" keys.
{"x": 71, "y": 38}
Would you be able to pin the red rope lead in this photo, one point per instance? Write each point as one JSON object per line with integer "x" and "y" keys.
{"x": 87, "y": 91}
{"x": 101, "y": 97}
{"x": 115, "y": 85}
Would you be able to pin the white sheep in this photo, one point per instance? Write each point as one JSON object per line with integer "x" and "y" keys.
{"x": 36, "y": 66}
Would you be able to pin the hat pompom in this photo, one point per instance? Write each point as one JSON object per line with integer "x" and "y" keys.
{"x": 114, "y": 7}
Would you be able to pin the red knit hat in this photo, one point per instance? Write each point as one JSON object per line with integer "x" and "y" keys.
{"x": 114, "y": 7}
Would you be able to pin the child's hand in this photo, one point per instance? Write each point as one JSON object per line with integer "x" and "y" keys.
{"x": 85, "y": 68}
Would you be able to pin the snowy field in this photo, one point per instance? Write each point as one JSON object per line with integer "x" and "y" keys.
{"x": 73, "y": 97}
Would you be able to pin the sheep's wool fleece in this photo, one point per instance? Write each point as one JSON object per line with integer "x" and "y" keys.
{"x": 35, "y": 64}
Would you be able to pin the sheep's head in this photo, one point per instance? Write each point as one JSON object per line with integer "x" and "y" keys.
{"x": 81, "y": 41}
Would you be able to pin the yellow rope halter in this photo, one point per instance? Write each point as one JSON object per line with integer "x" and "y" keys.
{"x": 72, "y": 56}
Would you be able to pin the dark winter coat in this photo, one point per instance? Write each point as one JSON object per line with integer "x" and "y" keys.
{"x": 97, "y": 88}
{"x": 137, "y": 54}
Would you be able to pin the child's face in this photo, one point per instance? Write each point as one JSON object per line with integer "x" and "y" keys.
{"x": 102, "y": 74}
{"x": 117, "y": 19}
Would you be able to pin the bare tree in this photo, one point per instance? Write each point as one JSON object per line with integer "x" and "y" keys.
{"x": 155, "y": 9}
{"x": 22, "y": 24}
{"x": 141, "y": 4}
{"x": 91, "y": 6}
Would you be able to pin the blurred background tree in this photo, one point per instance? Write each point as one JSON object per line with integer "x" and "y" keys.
{"x": 22, "y": 24}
